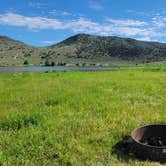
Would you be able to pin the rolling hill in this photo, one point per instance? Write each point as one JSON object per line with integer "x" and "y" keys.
{"x": 14, "y": 52}
{"x": 82, "y": 48}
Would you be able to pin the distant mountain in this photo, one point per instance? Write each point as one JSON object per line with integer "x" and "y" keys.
{"x": 90, "y": 47}
{"x": 82, "y": 48}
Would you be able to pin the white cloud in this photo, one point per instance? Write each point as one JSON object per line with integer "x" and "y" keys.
{"x": 48, "y": 42}
{"x": 157, "y": 18}
{"x": 126, "y": 28}
{"x": 84, "y": 25}
{"x": 127, "y": 22}
{"x": 95, "y": 5}
{"x": 138, "y": 12}
{"x": 146, "y": 38}
{"x": 59, "y": 12}
{"x": 159, "y": 21}
{"x": 30, "y": 22}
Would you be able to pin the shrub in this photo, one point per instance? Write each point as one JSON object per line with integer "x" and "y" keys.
{"x": 61, "y": 64}
{"x": 26, "y": 62}
{"x": 52, "y": 63}
{"x": 84, "y": 64}
{"x": 47, "y": 63}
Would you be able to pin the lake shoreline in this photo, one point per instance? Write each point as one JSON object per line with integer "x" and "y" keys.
{"x": 57, "y": 68}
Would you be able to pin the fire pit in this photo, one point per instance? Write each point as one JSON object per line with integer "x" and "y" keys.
{"x": 150, "y": 142}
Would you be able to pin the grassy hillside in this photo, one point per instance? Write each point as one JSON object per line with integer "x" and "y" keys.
{"x": 84, "y": 50}
{"x": 80, "y": 117}
{"x": 16, "y": 53}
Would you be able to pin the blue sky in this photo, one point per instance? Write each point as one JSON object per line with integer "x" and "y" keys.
{"x": 45, "y": 22}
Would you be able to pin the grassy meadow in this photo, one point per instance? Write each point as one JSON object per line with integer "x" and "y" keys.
{"x": 77, "y": 118}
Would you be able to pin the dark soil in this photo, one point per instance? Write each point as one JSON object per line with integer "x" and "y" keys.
{"x": 154, "y": 141}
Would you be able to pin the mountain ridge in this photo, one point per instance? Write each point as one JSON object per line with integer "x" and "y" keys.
{"x": 82, "y": 48}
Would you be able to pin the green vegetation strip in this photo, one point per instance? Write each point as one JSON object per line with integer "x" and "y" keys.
{"x": 76, "y": 118}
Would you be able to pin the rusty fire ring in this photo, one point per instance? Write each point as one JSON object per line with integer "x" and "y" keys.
{"x": 149, "y": 142}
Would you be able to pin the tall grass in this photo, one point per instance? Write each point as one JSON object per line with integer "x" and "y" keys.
{"x": 76, "y": 118}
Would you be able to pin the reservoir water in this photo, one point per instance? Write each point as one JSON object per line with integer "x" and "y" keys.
{"x": 55, "y": 68}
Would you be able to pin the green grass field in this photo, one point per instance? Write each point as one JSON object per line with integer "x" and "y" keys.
{"x": 76, "y": 118}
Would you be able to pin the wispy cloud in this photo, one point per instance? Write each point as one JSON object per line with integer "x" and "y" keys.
{"x": 59, "y": 12}
{"x": 138, "y": 12}
{"x": 144, "y": 38}
{"x": 49, "y": 42}
{"x": 37, "y": 5}
{"x": 126, "y": 28}
{"x": 30, "y": 22}
{"x": 95, "y": 5}
{"x": 159, "y": 21}
{"x": 127, "y": 22}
